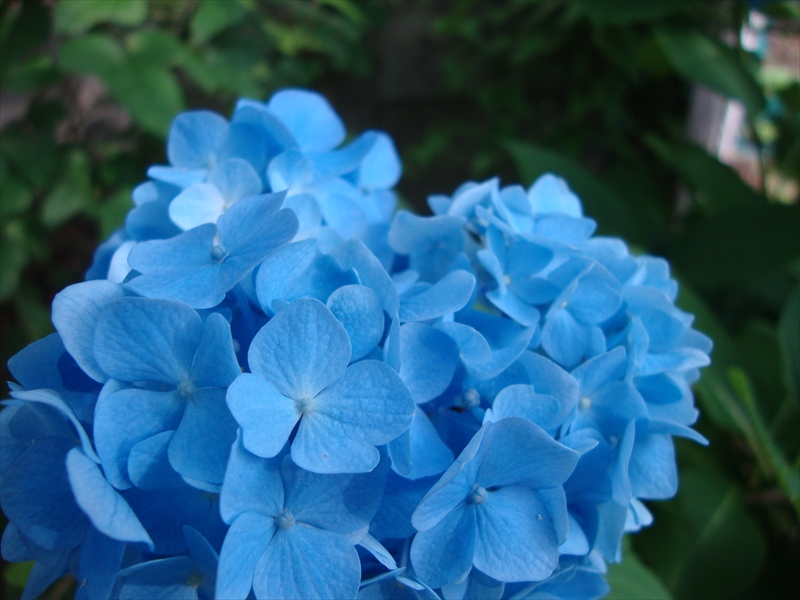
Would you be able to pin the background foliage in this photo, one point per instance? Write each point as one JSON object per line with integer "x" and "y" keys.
{"x": 595, "y": 91}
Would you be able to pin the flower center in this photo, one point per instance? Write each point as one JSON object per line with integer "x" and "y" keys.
{"x": 585, "y": 403}
{"x": 218, "y": 252}
{"x": 507, "y": 279}
{"x": 285, "y": 519}
{"x": 194, "y": 580}
{"x": 305, "y": 405}
{"x": 187, "y": 388}
{"x": 471, "y": 398}
{"x": 479, "y": 495}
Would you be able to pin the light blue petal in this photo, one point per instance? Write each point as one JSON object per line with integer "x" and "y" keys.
{"x": 428, "y": 359}
{"x": 448, "y": 295}
{"x": 596, "y": 298}
{"x": 367, "y": 407}
{"x": 215, "y": 362}
{"x": 252, "y": 485}
{"x": 137, "y": 339}
{"x": 245, "y": 543}
{"x": 577, "y": 543}
{"x": 148, "y": 464}
{"x": 598, "y": 371}
{"x": 353, "y": 254}
{"x": 344, "y": 160}
{"x": 200, "y": 447}
{"x": 194, "y": 138}
{"x": 302, "y": 350}
{"x": 377, "y": 550}
{"x": 515, "y": 538}
{"x": 127, "y": 417}
{"x": 76, "y": 310}
{"x": 266, "y": 416}
{"x": 381, "y": 167}
{"x": 515, "y": 451}
{"x": 163, "y": 579}
{"x": 309, "y": 116}
{"x": 429, "y": 454}
{"x": 277, "y": 272}
{"x": 182, "y": 178}
{"x": 472, "y": 346}
{"x": 521, "y": 400}
{"x": 444, "y": 553}
{"x": 510, "y": 303}
{"x": 203, "y": 554}
{"x": 309, "y": 215}
{"x": 652, "y": 469}
{"x": 551, "y": 194}
{"x": 359, "y": 311}
{"x": 196, "y": 205}
{"x": 399, "y": 450}
{"x": 564, "y": 339}
{"x": 189, "y": 250}
{"x": 108, "y": 511}
{"x": 305, "y": 563}
{"x": 235, "y": 179}
{"x": 555, "y": 500}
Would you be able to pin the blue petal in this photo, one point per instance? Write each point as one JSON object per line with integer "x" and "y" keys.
{"x": 98, "y": 565}
{"x": 381, "y": 167}
{"x": 182, "y": 178}
{"x": 550, "y": 194}
{"x": 127, "y": 417}
{"x": 206, "y": 420}
{"x": 215, "y": 363}
{"x": 367, "y": 407}
{"x": 277, "y": 273}
{"x": 251, "y": 484}
{"x": 266, "y": 416}
{"x": 448, "y": 295}
{"x": 196, "y": 205}
{"x": 245, "y": 543}
{"x": 164, "y": 579}
{"x": 564, "y": 339}
{"x": 310, "y": 117}
{"x": 521, "y": 400}
{"x": 353, "y": 254}
{"x": 400, "y": 498}
{"x": 359, "y": 311}
{"x": 305, "y": 562}
{"x": 429, "y": 454}
{"x": 515, "y": 540}
{"x": 195, "y": 138}
{"x": 109, "y": 511}
{"x": 428, "y": 359}
{"x": 444, "y": 553}
{"x": 302, "y": 350}
{"x": 76, "y": 310}
{"x": 652, "y": 469}
{"x": 148, "y": 464}
{"x": 235, "y": 179}
{"x": 137, "y": 339}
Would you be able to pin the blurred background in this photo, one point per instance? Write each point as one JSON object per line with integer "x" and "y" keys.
{"x": 676, "y": 122}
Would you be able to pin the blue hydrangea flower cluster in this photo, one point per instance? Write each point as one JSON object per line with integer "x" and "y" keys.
{"x": 272, "y": 385}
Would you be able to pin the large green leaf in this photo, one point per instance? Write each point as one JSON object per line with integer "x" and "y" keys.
{"x": 632, "y": 580}
{"x": 215, "y": 16}
{"x": 706, "y": 544}
{"x": 707, "y": 61}
{"x": 626, "y": 12}
{"x": 71, "y": 194}
{"x": 789, "y": 337}
{"x": 613, "y": 212}
{"x": 95, "y": 54}
{"x": 74, "y": 17}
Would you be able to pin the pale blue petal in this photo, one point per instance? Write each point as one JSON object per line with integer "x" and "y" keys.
{"x": 377, "y": 550}
{"x": 76, "y": 310}
{"x": 509, "y": 303}
{"x": 381, "y": 167}
{"x": 555, "y": 500}
{"x": 577, "y": 543}
{"x": 235, "y": 179}
{"x": 137, "y": 339}
{"x": 302, "y": 350}
{"x": 515, "y": 538}
{"x": 215, "y": 362}
{"x": 266, "y": 416}
{"x": 182, "y": 178}
{"x": 353, "y": 254}
{"x": 194, "y": 139}
{"x": 127, "y": 417}
{"x": 448, "y": 295}
{"x": 428, "y": 359}
{"x": 359, "y": 310}
{"x": 309, "y": 117}
{"x": 344, "y": 160}
{"x": 444, "y": 553}
{"x": 309, "y": 215}
{"x": 276, "y": 273}
{"x": 245, "y": 543}
{"x": 252, "y": 485}
{"x": 108, "y": 511}
{"x": 521, "y": 400}
{"x": 190, "y": 249}
{"x": 304, "y": 563}
{"x": 472, "y": 346}
{"x": 429, "y": 454}
{"x": 550, "y": 194}
{"x": 200, "y": 447}
{"x": 652, "y": 469}
{"x": 196, "y": 205}
{"x": 564, "y": 339}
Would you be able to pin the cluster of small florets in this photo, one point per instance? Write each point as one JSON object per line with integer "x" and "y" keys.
{"x": 272, "y": 384}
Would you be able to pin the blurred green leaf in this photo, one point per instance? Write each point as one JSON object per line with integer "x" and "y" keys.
{"x": 17, "y": 573}
{"x": 74, "y": 17}
{"x": 215, "y": 16}
{"x": 15, "y": 196}
{"x": 95, "y": 54}
{"x": 739, "y": 245}
{"x": 111, "y": 213}
{"x": 604, "y": 204}
{"x": 34, "y": 157}
{"x": 789, "y": 336}
{"x": 706, "y": 545}
{"x": 719, "y": 186}
{"x": 632, "y": 580}
{"x": 154, "y": 48}
{"x": 14, "y": 250}
{"x": 71, "y": 194}
{"x": 626, "y": 12}
{"x": 709, "y": 62}
{"x": 23, "y": 28}
{"x": 761, "y": 357}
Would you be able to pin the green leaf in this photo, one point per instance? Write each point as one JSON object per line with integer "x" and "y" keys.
{"x": 16, "y": 196}
{"x": 215, "y": 16}
{"x": 111, "y": 213}
{"x": 154, "y": 48}
{"x": 71, "y": 194}
{"x": 96, "y": 54}
{"x": 626, "y": 12}
{"x": 17, "y": 574}
{"x": 719, "y": 187}
{"x": 14, "y": 250}
{"x": 789, "y": 338}
{"x": 707, "y": 61}
{"x": 613, "y": 212}
{"x": 74, "y": 17}
{"x": 632, "y": 580}
{"x": 705, "y": 543}
{"x": 152, "y": 95}
{"x": 739, "y": 245}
